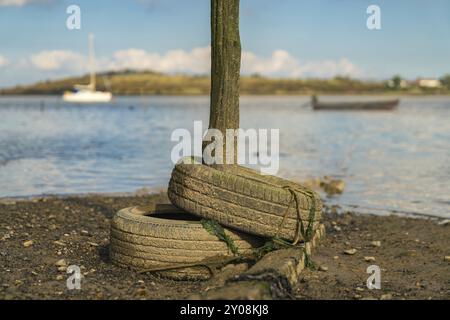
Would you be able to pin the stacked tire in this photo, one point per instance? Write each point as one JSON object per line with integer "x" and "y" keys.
{"x": 172, "y": 240}
{"x": 241, "y": 198}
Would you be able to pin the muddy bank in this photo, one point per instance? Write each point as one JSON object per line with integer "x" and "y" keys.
{"x": 39, "y": 238}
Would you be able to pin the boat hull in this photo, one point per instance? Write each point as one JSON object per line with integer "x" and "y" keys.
{"x": 357, "y": 106}
{"x": 87, "y": 97}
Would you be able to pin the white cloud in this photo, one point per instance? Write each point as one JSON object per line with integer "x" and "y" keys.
{"x": 280, "y": 63}
{"x": 20, "y": 3}
{"x": 3, "y": 61}
{"x": 195, "y": 61}
{"x": 58, "y": 60}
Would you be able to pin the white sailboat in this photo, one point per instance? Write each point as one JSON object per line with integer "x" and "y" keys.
{"x": 88, "y": 93}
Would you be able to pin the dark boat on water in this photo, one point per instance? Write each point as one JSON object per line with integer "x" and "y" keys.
{"x": 356, "y": 105}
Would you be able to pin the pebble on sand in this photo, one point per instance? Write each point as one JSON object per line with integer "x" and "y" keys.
{"x": 350, "y": 251}
{"x": 447, "y": 258}
{"x": 375, "y": 243}
{"x": 28, "y": 243}
{"x": 61, "y": 263}
{"x": 323, "y": 268}
{"x": 387, "y": 296}
{"x": 369, "y": 259}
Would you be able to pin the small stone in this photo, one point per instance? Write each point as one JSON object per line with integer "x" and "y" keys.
{"x": 337, "y": 228}
{"x": 375, "y": 243}
{"x": 347, "y": 243}
{"x": 59, "y": 243}
{"x": 359, "y": 289}
{"x": 332, "y": 186}
{"x": 447, "y": 258}
{"x": 84, "y": 232}
{"x": 6, "y": 236}
{"x": 357, "y": 296}
{"x": 387, "y": 296}
{"x": 93, "y": 244}
{"x": 444, "y": 222}
{"x": 350, "y": 252}
{"x": 142, "y": 292}
{"x": 61, "y": 263}
{"x": 336, "y": 257}
{"x": 59, "y": 277}
{"x": 62, "y": 269}
{"x": 28, "y": 243}
{"x": 369, "y": 259}
{"x": 323, "y": 268}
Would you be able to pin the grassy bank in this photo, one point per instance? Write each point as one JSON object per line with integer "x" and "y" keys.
{"x": 152, "y": 83}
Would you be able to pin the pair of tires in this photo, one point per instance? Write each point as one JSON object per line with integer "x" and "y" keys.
{"x": 252, "y": 206}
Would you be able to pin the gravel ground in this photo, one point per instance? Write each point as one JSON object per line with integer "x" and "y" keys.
{"x": 39, "y": 238}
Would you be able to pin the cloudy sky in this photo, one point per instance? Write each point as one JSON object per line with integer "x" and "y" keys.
{"x": 288, "y": 38}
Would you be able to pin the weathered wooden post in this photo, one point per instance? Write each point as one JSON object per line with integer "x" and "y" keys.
{"x": 225, "y": 68}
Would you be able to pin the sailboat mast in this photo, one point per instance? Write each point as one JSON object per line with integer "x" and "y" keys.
{"x": 92, "y": 61}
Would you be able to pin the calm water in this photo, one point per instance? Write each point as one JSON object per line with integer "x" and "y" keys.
{"x": 391, "y": 161}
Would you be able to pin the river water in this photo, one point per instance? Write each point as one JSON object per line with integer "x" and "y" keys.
{"x": 391, "y": 161}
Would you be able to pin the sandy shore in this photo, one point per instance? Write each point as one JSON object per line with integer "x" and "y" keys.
{"x": 37, "y": 234}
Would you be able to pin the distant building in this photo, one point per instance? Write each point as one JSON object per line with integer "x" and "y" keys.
{"x": 429, "y": 83}
{"x": 402, "y": 85}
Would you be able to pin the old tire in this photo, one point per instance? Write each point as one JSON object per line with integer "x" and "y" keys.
{"x": 242, "y": 199}
{"x": 166, "y": 237}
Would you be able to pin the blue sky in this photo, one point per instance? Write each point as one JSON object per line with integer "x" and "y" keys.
{"x": 288, "y": 38}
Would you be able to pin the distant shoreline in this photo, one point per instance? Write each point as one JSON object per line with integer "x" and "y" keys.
{"x": 147, "y": 83}
{"x": 362, "y": 94}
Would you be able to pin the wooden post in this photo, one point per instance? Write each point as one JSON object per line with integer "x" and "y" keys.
{"x": 225, "y": 68}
